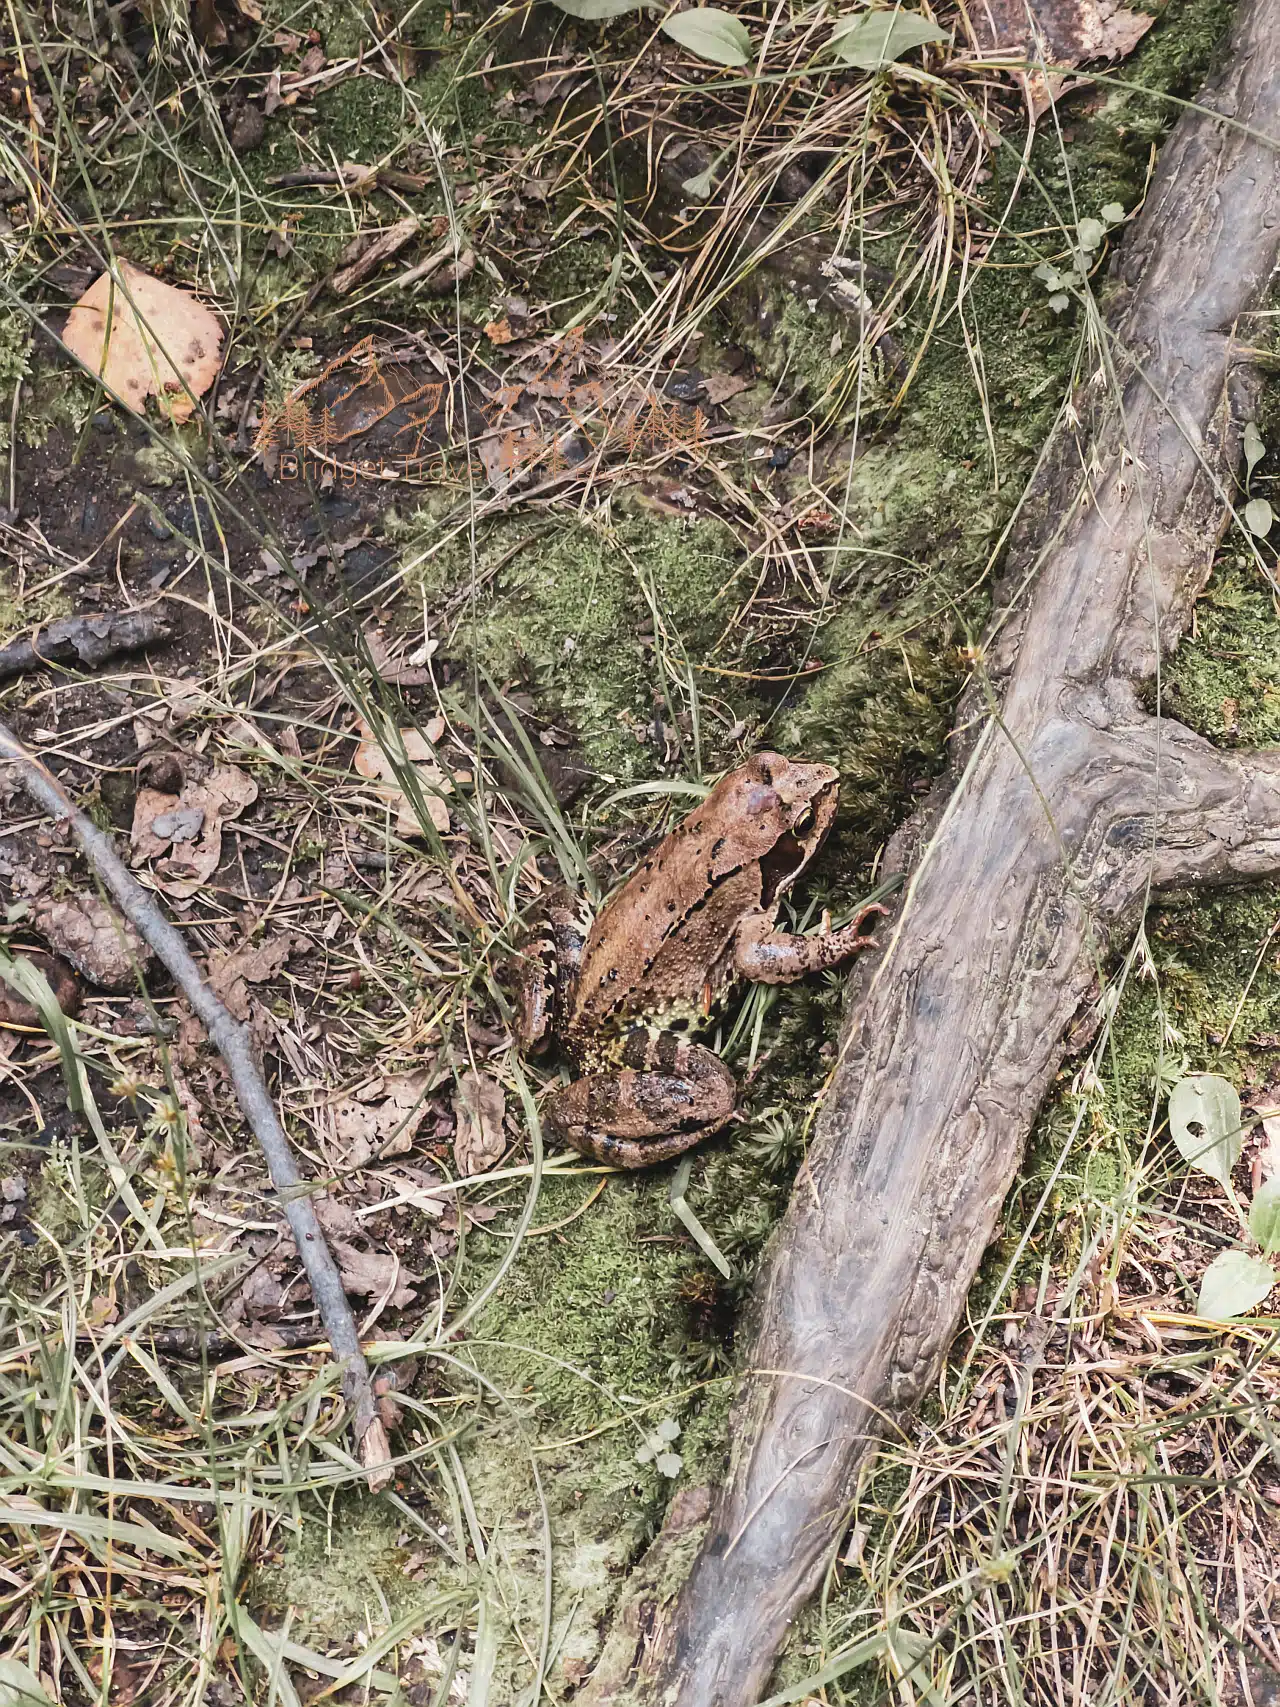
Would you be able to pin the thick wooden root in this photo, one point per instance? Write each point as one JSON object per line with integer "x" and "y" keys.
{"x": 1065, "y": 810}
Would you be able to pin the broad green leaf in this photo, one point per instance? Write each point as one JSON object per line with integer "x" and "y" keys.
{"x": 874, "y": 39}
{"x": 1232, "y": 1284}
{"x": 1090, "y": 232}
{"x": 1204, "y": 1121}
{"x": 1254, "y": 449}
{"x": 19, "y": 1686}
{"x": 711, "y": 34}
{"x": 594, "y": 10}
{"x": 1264, "y": 1216}
{"x": 1112, "y": 213}
{"x": 1257, "y": 516}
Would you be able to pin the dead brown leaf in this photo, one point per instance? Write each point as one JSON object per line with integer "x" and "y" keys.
{"x": 372, "y": 762}
{"x": 382, "y": 1116}
{"x": 182, "y": 834}
{"x": 102, "y": 946}
{"x": 163, "y": 342}
{"x": 230, "y": 975}
{"x": 480, "y": 1104}
{"x": 720, "y": 387}
{"x": 374, "y": 1274}
{"x": 1059, "y": 33}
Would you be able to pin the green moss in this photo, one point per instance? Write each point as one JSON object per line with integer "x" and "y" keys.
{"x": 605, "y": 619}
{"x": 362, "y": 118}
{"x": 1225, "y": 683}
{"x": 338, "y": 1568}
{"x": 592, "y": 1304}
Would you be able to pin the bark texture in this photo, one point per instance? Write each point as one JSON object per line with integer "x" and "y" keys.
{"x": 1063, "y": 811}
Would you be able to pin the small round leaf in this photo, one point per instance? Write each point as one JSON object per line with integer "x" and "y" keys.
{"x": 1264, "y": 1216}
{"x": 1258, "y": 517}
{"x": 711, "y": 34}
{"x": 1232, "y": 1284}
{"x": 873, "y": 39}
{"x": 593, "y": 11}
{"x": 1254, "y": 448}
{"x": 1204, "y": 1121}
{"x": 1112, "y": 213}
{"x": 1090, "y": 232}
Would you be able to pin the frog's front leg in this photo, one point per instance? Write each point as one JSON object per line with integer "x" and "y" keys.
{"x": 767, "y": 956}
{"x": 667, "y": 1095}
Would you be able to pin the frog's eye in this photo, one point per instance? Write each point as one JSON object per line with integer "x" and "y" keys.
{"x": 803, "y": 821}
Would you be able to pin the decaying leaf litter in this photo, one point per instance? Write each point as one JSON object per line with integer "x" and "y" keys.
{"x": 551, "y": 1343}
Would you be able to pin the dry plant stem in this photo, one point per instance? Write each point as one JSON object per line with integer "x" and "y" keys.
{"x": 1059, "y": 819}
{"x": 232, "y": 1042}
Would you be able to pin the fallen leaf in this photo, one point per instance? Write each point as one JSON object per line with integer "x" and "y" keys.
{"x": 480, "y": 1105}
{"x": 182, "y": 834}
{"x": 1061, "y": 33}
{"x": 164, "y": 343}
{"x": 373, "y": 762}
{"x": 261, "y": 1295}
{"x": 230, "y": 975}
{"x": 383, "y": 1116}
{"x": 102, "y": 946}
{"x": 374, "y": 1274}
{"x": 499, "y": 331}
{"x": 720, "y": 387}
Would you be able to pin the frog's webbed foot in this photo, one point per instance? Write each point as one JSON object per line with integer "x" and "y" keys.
{"x": 668, "y": 1096}
{"x": 766, "y": 956}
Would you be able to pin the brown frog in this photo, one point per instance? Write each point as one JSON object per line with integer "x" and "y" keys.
{"x": 695, "y": 917}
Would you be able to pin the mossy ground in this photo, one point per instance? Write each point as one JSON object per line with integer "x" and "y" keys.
{"x": 616, "y": 1321}
{"x": 619, "y": 623}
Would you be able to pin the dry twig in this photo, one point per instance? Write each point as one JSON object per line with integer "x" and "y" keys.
{"x": 232, "y": 1041}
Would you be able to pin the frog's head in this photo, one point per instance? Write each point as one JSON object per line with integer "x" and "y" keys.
{"x": 794, "y": 803}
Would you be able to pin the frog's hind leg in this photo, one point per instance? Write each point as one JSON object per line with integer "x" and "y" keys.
{"x": 666, "y": 1096}
{"x": 544, "y": 973}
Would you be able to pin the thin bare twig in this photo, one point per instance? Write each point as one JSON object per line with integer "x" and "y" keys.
{"x": 232, "y": 1042}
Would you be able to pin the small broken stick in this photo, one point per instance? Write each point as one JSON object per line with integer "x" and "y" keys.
{"x": 233, "y": 1043}
{"x": 87, "y": 640}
